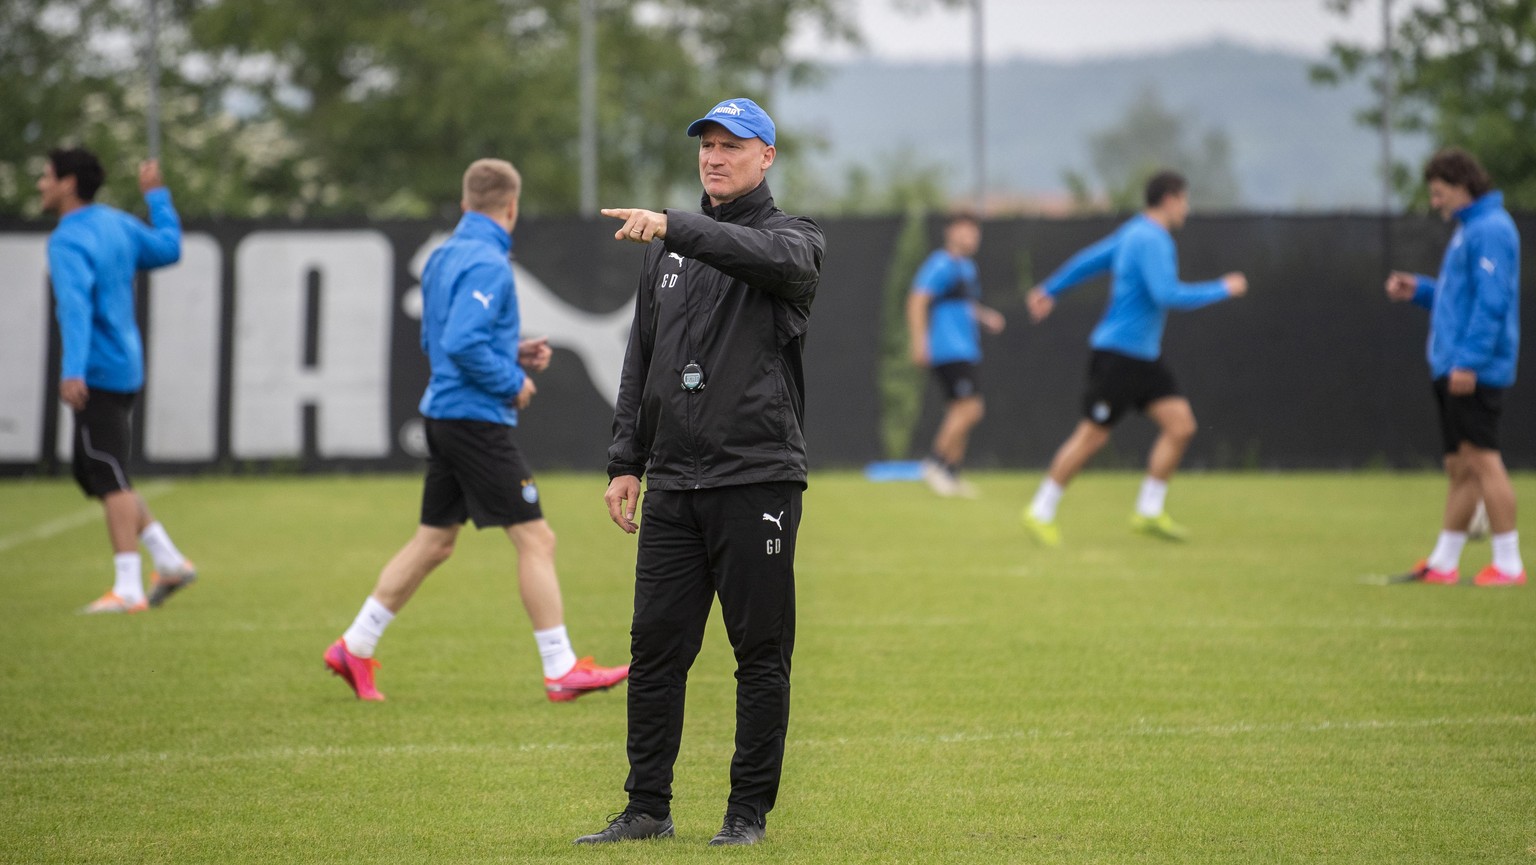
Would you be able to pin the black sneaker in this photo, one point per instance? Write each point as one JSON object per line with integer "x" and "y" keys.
{"x": 738, "y": 830}
{"x": 630, "y": 826}
{"x": 163, "y": 585}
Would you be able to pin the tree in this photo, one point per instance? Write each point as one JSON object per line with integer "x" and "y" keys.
{"x": 396, "y": 98}
{"x": 296, "y": 107}
{"x": 1461, "y": 71}
{"x": 72, "y": 72}
{"x": 1151, "y": 137}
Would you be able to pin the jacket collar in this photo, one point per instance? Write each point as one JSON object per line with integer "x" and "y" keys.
{"x": 79, "y": 212}
{"x": 1487, "y": 203}
{"x": 478, "y": 226}
{"x": 744, "y": 210}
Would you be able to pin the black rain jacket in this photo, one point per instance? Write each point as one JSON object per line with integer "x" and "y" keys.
{"x": 729, "y": 289}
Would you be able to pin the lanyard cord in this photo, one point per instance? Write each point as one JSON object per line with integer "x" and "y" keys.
{"x": 693, "y": 356}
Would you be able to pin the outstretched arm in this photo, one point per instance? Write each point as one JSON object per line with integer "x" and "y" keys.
{"x": 1087, "y": 263}
{"x": 160, "y": 244}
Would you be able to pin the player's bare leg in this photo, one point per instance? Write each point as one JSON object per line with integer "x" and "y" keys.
{"x": 351, "y": 657}
{"x": 125, "y": 515}
{"x": 566, "y": 677}
{"x": 1176, "y": 428}
{"x": 537, "y": 582}
{"x": 1040, "y": 517}
{"x": 953, "y": 439}
{"x": 405, "y": 572}
{"x": 1463, "y": 490}
{"x": 1087, "y": 440}
{"x": 1498, "y": 495}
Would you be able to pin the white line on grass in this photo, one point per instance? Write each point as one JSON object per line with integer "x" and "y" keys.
{"x": 350, "y": 752}
{"x": 59, "y": 526}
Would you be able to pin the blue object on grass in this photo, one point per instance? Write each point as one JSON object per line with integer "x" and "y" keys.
{"x": 894, "y": 470}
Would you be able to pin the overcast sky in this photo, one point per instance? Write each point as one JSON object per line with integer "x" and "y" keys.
{"x": 1075, "y": 29}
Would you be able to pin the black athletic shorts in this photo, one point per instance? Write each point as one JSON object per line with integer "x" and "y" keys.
{"x": 1117, "y": 382}
{"x": 958, "y": 380}
{"x": 475, "y": 471}
{"x": 103, "y": 438}
{"x": 1473, "y": 418}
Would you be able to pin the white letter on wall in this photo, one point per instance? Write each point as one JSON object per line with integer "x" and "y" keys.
{"x": 23, "y": 346}
{"x": 181, "y": 388}
{"x": 349, "y": 383}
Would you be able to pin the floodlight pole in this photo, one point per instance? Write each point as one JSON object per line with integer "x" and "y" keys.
{"x": 978, "y": 105}
{"x": 1387, "y": 70}
{"x": 588, "y": 86}
{"x": 152, "y": 64}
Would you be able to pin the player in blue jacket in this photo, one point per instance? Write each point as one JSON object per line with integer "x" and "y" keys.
{"x": 944, "y": 319}
{"x": 1474, "y": 345}
{"x": 470, "y": 332}
{"x": 94, "y": 256}
{"x": 1126, "y": 369}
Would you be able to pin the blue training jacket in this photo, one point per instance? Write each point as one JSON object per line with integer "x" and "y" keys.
{"x": 470, "y": 325}
{"x": 93, "y": 257}
{"x": 1474, "y": 320}
{"x": 950, "y": 284}
{"x": 1145, "y": 264}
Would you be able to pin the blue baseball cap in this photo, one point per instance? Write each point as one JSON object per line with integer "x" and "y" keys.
{"x": 742, "y": 117}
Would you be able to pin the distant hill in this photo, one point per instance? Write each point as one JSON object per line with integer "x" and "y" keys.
{"x": 1294, "y": 144}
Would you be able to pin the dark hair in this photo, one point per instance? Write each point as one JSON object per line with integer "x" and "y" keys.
{"x": 960, "y": 216}
{"x": 81, "y": 164}
{"x": 1458, "y": 168}
{"x": 1164, "y": 184}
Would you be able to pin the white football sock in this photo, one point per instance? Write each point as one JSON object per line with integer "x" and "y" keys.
{"x": 1043, "y": 508}
{"x": 129, "y": 581}
{"x": 1149, "y": 502}
{"x": 555, "y": 649}
{"x": 1447, "y": 554}
{"x": 1506, "y": 553}
{"x": 161, "y": 550}
{"x": 363, "y": 637}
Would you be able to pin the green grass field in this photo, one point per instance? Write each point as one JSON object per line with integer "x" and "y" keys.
{"x": 960, "y": 695}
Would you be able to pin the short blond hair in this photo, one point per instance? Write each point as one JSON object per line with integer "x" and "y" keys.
{"x": 490, "y": 185}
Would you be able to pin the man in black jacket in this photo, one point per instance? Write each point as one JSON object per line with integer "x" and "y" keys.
{"x": 710, "y": 408}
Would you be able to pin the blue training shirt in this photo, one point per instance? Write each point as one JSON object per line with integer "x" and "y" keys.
{"x": 470, "y": 325}
{"x": 1145, "y": 264}
{"x": 1474, "y": 320}
{"x": 952, "y": 288}
{"x": 93, "y": 257}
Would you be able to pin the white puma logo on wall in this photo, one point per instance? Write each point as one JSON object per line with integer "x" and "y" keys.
{"x": 599, "y": 340}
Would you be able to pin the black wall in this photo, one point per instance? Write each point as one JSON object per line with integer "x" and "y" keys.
{"x": 1314, "y": 369}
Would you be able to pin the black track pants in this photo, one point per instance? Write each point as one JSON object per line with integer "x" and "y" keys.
{"x": 737, "y": 542}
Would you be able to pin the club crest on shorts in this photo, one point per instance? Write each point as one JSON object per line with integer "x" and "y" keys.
{"x": 530, "y": 491}
{"x": 1100, "y": 411}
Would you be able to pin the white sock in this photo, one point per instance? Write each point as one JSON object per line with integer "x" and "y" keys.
{"x": 1149, "y": 502}
{"x": 161, "y": 550}
{"x": 555, "y": 649}
{"x": 129, "y": 582}
{"x": 1447, "y": 554}
{"x": 1043, "y": 508}
{"x": 363, "y": 637}
{"x": 1506, "y": 553}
